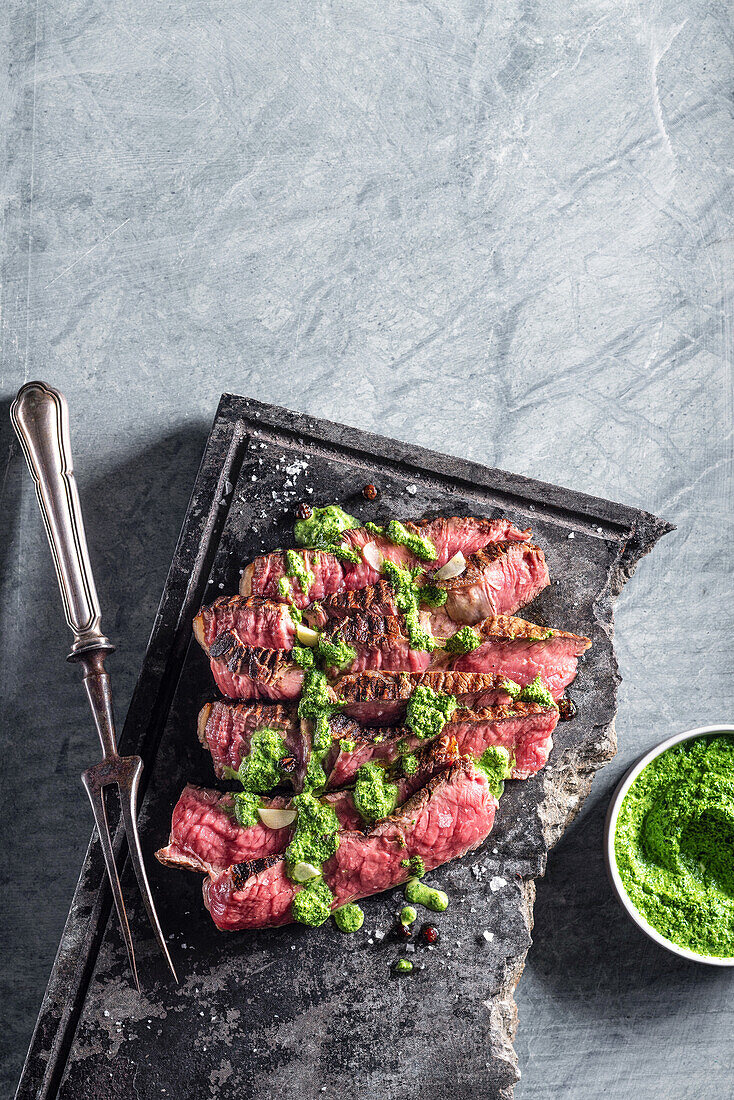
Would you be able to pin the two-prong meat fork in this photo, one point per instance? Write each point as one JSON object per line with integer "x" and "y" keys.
{"x": 40, "y": 417}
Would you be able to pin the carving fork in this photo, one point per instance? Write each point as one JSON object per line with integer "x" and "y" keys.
{"x": 40, "y": 417}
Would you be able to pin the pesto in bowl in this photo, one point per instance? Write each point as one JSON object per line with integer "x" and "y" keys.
{"x": 674, "y": 844}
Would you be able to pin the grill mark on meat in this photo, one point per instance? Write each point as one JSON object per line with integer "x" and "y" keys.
{"x": 241, "y": 872}
{"x": 382, "y": 697}
{"x": 447, "y": 818}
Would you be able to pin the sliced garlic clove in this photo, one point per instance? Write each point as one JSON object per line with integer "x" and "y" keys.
{"x": 276, "y": 819}
{"x": 372, "y": 555}
{"x": 304, "y": 872}
{"x": 454, "y": 567}
{"x": 305, "y": 635}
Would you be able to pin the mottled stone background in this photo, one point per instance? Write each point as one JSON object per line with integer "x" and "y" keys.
{"x": 502, "y": 230}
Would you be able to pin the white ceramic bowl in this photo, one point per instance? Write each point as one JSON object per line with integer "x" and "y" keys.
{"x": 610, "y": 829}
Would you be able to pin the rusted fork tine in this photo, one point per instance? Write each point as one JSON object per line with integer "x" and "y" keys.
{"x": 40, "y": 417}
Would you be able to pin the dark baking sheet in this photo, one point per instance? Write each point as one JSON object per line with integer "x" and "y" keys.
{"x": 316, "y": 1013}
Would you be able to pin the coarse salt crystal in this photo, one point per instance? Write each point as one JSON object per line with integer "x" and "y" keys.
{"x": 412, "y": 489}
{"x": 571, "y": 535}
{"x": 489, "y": 936}
{"x": 496, "y": 883}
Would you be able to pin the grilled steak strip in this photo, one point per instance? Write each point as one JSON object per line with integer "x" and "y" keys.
{"x": 498, "y": 580}
{"x": 524, "y": 729}
{"x": 468, "y": 534}
{"x": 449, "y": 817}
{"x": 255, "y": 621}
{"x": 380, "y": 698}
{"x": 521, "y": 651}
{"x": 206, "y": 837}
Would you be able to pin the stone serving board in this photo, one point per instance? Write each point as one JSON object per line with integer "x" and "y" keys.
{"x": 296, "y": 1012}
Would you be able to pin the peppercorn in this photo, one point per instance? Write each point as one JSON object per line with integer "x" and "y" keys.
{"x": 567, "y": 709}
{"x": 287, "y": 764}
{"x": 403, "y": 931}
{"x": 429, "y": 934}
{"x": 370, "y": 492}
{"x": 303, "y": 511}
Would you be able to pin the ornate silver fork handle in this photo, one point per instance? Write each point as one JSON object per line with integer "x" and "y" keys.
{"x": 40, "y": 417}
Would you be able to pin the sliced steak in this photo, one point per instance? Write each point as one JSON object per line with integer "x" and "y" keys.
{"x": 206, "y": 837}
{"x": 449, "y": 817}
{"x": 226, "y": 729}
{"x": 497, "y": 581}
{"x": 380, "y": 642}
{"x": 380, "y": 698}
{"x": 468, "y": 534}
{"x": 524, "y": 729}
{"x": 256, "y": 622}
{"x": 248, "y": 672}
{"x": 521, "y": 650}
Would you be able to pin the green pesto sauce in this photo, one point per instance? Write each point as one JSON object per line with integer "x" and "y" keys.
{"x": 428, "y": 711}
{"x": 316, "y": 834}
{"x": 416, "y": 866}
{"x": 402, "y": 966}
{"x": 432, "y": 596}
{"x": 260, "y": 770}
{"x": 323, "y": 531}
{"x": 349, "y": 918}
{"x": 296, "y": 567}
{"x": 317, "y": 706}
{"x": 417, "y": 893}
{"x": 512, "y": 689}
{"x": 303, "y": 656}
{"x": 407, "y": 599}
{"x": 463, "y": 641}
{"x": 674, "y": 845}
{"x": 373, "y": 796}
{"x": 335, "y": 652}
{"x": 346, "y": 745}
{"x": 408, "y": 915}
{"x": 312, "y": 904}
{"x": 245, "y": 806}
{"x": 409, "y": 763}
{"x": 401, "y": 536}
{"x": 536, "y": 692}
{"x": 496, "y": 764}
{"x": 284, "y": 589}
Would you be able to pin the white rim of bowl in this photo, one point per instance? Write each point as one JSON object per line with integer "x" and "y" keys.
{"x": 610, "y": 828}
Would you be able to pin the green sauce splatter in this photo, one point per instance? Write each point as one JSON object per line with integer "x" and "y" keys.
{"x": 401, "y": 536}
{"x": 346, "y": 745}
{"x": 408, "y": 915}
{"x": 296, "y": 567}
{"x": 416, "y": 866}
{"x": 402, "y": 966}
{"x": 374, "y": 798}
{"x": 537, "y": 692}
{"x": 335, "y": 652}
{"x": 409, "y": 763}
{"x": 407, "y": 599}
{"x": 419, "y": 894}
{"x": 428, "y": 711}
{"x": 245, "y": 807}
{"x": 673, "y": 844}
{"x": 323, "y": 531}
{"x": 260, "y": 770}
{"x": 312, "y": 904}
{"x": 349, "y": 918}
{"x": 463, "y": 641}
{"x": 432, "y": 595}
{"x": 496, "y": 764}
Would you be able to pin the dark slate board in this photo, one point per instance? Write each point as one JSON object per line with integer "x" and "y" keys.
{"x": 292, "y": 1011}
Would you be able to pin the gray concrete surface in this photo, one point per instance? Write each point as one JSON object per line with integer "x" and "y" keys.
{"x": 499, "y": 230}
